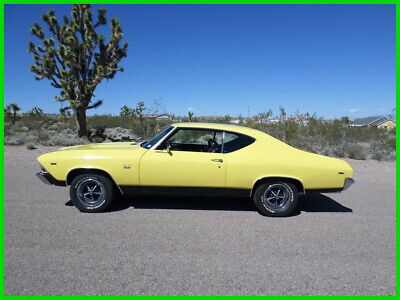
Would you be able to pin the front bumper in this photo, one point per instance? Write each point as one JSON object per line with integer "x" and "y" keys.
{"x": 347, "y": 183}
{"x": 46, "y": 178}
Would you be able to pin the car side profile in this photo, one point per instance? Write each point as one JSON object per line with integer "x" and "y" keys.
{"x": 199, "y": 159}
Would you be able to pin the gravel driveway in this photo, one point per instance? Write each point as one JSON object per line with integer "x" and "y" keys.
{"x": 336, "y": 244}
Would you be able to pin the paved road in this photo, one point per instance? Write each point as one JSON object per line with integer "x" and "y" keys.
{"x": 343, "y": 244}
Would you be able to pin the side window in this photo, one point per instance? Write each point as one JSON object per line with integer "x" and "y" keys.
{"x": 236, "y": 141}
{"x": 194, "y": 140}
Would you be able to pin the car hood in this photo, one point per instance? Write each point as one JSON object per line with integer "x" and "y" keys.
{"x": 103, "y": 146}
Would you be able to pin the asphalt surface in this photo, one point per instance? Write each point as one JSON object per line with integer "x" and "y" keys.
{"x": 336, "y": 244}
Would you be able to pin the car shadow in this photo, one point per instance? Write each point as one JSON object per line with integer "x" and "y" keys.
{"x": 320, "y": 203}
{"x": 307, "y": 203}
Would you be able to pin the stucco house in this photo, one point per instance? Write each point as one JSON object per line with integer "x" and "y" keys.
{"x": 380, "y": 122}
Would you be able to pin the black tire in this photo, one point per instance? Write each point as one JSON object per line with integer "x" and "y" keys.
{"x": 92, "y": 192}
{"x": 282, "y": 206}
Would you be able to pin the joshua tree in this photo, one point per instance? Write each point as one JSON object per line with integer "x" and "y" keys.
{"x": 345, "y": 120}
{"x": 283, "y": 112}
{"x": 36, "y": 111}
{"x": 190, "y": 113}
{"x": 127, "y": 112}
{"x": 65, "y": 113}
{"x": 264, "y": 116}
{"x": 77, "y": 58}
{"x": 227, "y": 119}
{"x": 139, "y": 111}
{"x": 12, "y": 110}
{"x": 241, "y": 119}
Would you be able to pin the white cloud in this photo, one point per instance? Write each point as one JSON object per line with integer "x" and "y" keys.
{"x": 352, "y": 110}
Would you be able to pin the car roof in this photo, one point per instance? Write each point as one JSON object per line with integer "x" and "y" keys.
{"x": 228, "y": 127}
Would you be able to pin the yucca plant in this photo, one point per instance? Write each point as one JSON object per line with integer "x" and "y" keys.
{"x": 77, "y": 58}
{"x": 12, "y": 111}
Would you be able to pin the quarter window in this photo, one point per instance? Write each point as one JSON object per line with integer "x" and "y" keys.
{"x": 236, "y": 141}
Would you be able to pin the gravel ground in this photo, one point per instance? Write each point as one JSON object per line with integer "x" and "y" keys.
{"x": 336, "y": 244}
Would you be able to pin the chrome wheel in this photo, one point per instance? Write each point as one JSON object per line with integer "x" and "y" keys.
{"x": 90, "y": 192}
{"x": 276, "y": 197}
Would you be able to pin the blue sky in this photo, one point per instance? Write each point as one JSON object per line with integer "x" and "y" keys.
{"x": 333, "y": 60}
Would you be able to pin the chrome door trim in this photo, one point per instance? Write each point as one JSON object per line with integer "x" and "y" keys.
{"x": 223, "y": 141}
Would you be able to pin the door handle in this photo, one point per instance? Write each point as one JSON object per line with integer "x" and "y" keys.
{"x": 220, "y": 160}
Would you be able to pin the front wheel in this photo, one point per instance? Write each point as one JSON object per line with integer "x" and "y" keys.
{"x": 276, "y": 199}
{"x": 91, "y": 192}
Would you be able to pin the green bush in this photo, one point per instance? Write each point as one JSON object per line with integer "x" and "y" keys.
{"x": 381, "y": 150}
{"x": 108, "y": 121}
{"x": 43, "y": 135}
{"x": 30, "y": 146}
{"x": 356, "y": 151}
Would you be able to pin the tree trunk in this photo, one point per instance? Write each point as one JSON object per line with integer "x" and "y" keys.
{"x": 80, "y": 121}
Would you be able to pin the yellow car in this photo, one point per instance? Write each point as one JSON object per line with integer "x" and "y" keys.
{"x": 195, "y": 159}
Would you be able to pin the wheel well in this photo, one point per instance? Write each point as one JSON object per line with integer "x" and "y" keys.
{"x": 297, "y": 183}
{"x": 72, "y": 174}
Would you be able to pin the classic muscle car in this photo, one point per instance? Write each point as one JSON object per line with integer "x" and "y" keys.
{"x": 195, "y": 159}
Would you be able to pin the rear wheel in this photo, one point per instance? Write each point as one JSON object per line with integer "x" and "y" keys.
{"x": 91, "y": 192}
{"x": 276, "y": 199}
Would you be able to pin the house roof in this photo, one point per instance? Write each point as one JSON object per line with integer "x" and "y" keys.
{"x": 381, "y": 121}
{"x": 372, "y": 121}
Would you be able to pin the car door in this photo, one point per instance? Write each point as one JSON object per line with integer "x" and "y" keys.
{"x": 190, "y": 157}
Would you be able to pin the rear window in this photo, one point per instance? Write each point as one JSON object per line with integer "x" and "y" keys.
{"x": 236, "y": 141}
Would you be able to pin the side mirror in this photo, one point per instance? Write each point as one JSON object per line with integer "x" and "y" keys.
{"x": 169, "y": 148}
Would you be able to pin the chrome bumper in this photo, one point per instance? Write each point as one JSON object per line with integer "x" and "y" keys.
{"x": 347, "y": 183}
{"x": 44, "y": 177}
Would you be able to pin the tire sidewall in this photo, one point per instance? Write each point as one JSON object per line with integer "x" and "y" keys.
{"x": 264, "y": 210}
{"x": 105, "y": 203}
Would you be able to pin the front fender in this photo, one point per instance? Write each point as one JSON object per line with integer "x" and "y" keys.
{"x": 121, "y": 165}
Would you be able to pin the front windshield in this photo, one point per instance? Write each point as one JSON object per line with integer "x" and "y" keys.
{"x": 155, "y": 139}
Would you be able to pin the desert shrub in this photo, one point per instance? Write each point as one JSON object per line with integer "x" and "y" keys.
{"x": 43, "y": 135}
{"x": 35, "y": 122}
{"x": 21, "y": 129}
{"x": 58, "y": 126}
{"x": 382, "y": 151}
{"x": 333, "y": 138}
{"x": 20, "y": 139}
{"x": 30, "y": 146}
{"x": 97, "y": 135}
{"x": 14, "y": 141}
{"x": 97, "y": 139}
{"x": 68, "y": 131}
{"x": 390, "y": 143}
{"x": 356, "y": 151}
{"x": 108, "y": 121}
{"x": 60, "y": 139}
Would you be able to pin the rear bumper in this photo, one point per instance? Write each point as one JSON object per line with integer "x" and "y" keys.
{"x": 46, "y": 178}
{"x": 347, "y": 183}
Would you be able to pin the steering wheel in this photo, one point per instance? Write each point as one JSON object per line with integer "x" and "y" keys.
{"x": 212, "y": 146}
